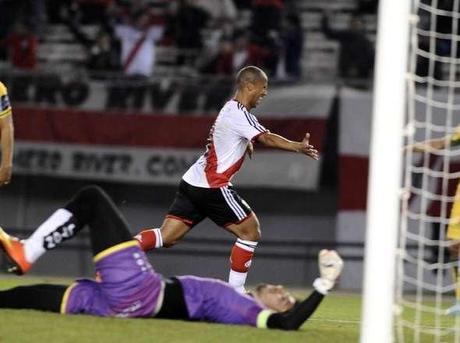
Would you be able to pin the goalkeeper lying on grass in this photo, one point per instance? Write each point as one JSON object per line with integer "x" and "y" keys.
{"x": 127, "y": 286}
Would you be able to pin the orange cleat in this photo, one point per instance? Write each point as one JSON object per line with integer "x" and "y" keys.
{"x": 14, "y": 250}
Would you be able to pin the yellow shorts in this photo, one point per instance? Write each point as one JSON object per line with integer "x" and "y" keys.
{"x": 453, "y": 230}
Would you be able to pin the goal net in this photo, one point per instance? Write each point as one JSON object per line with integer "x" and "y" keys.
{"x": 425, "y": 285}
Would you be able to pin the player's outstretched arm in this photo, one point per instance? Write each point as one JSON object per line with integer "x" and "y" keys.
{"x": 330, "y": 266}
{"x": 273, "y": 140}
{"x": 6, "y": 143}
{"x": 434, "y": 144}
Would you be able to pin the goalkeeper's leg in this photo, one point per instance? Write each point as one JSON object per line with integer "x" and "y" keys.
{"x": 35, "y": 297}
{"x": 90, "y": 206}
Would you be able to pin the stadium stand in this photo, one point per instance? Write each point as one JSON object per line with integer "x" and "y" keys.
{"x": 58, "y": 45}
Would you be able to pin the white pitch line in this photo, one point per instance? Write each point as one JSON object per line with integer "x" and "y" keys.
{"x": 340, "y": 321}
{"x": 334, "y": 320}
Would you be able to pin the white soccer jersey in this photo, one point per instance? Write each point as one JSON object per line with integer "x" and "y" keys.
{"x": 143, "y": 59}
{"x": 228, "y": 140}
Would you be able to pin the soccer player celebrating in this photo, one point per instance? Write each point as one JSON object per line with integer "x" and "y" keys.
{"x": 127, "y": 285}
{"x": 6, "y": 137}
{"x": 453, "y": 229}
{"x": 205, "y": 189}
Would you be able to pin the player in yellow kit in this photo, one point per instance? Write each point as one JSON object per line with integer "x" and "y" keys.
{"x": 453, "y": 234}
{"x": 6, "y": 137}
{"x": 453, "y": 229}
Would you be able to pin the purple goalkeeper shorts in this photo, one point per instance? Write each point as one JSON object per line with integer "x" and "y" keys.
{"x": 216, "y": 301}
{"x": 128, "y": 285}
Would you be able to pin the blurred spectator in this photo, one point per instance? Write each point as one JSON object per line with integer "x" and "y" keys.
{"x": 30, "y": 12}
{"x": 223, "y": 29}
{"x": 224, "y": 62}
{"x": 265, "y": 31}
{"x": 242, "y": 54}
{"x": 293, "y": 39}
{"x": 356, "y": 59}
{"x": 22, "y": 47}
{"x": 103, "y": 52}
{"x": 368, "y": 6}
{"x": 138, "y": 44}
{"x": 57, "y": 10}
{"x": 221, "y": 24}
{"x": 233, "y": 56}
{"x": 243, "y": 4}
{"x": 9, "y": 14}
{"x": 125, "y": 10}
{"x": 292, "y": 6}
{"x": 266, "y": 17}
{"x": 190, "y": 21}
{"x": 93, "y": 11}
{"x": 440, "y": 45}
{"x": 219, "y": 9}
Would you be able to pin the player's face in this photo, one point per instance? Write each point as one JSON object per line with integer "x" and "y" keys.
{"x": 276, "y": 298}
{"x": 259, "y": 91}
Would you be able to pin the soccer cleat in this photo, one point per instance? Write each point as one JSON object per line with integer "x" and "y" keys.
{"x": 454, "y": 310}
{"x": 14, "y": 250}
{"x": 330, "y": 267}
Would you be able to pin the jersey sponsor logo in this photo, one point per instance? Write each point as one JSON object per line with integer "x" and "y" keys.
{"x": 126, "y": 312}
{"x": 59, "y": 235}
{"x": 4, "y": 103}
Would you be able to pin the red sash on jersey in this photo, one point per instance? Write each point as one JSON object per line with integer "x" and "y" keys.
{"x": 134, "y": 51}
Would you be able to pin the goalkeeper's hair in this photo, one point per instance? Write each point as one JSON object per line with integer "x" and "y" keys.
{"x": 258, "y": 289}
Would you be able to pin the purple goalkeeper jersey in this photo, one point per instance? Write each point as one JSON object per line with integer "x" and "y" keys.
{"x": 129, "y": 287}
{"x": 216, "y": 301}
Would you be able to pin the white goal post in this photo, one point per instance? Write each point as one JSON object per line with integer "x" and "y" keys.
{"x": 408, "y": 291}
{"x": 385, "y": 170}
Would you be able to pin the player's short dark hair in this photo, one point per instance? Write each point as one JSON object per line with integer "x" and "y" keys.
{"x": 249, "y": 74}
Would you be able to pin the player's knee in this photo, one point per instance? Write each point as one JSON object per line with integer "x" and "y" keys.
{"x": 257, "y": 236}
{"x": 91, "y": 192}
{"x": 84, "y": 201}
{"x": 251, "y": 233}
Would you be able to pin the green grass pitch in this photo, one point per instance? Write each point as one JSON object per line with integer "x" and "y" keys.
{"x": 336, "y": 320}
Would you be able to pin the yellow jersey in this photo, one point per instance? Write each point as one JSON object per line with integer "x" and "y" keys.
{"x": 456, "y": 137}
{"x": 5, "y": 105}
